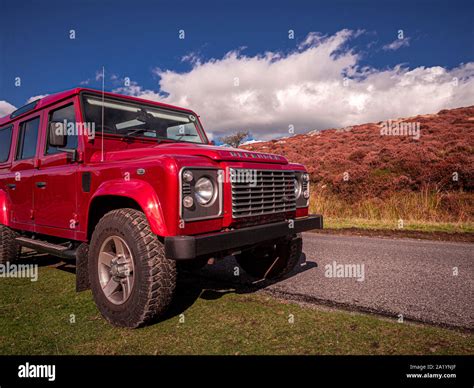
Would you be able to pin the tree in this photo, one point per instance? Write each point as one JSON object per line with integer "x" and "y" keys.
{"x": 235, "y": 139}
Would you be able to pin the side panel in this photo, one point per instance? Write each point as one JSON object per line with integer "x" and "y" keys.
{"x": 20, "y": 189}
{"x": 55, "y": 202}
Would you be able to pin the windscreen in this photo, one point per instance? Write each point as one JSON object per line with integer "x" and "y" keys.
{"x": 137, "y": 120}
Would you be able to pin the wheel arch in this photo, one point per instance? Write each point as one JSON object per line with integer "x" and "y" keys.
{"x": 133, "y": 194}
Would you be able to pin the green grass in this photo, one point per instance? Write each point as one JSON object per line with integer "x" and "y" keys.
{"x": 419, "y": 226}
{"x": 35, "y": 319}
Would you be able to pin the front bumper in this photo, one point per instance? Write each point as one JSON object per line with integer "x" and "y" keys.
{"x": 190, "y": 247}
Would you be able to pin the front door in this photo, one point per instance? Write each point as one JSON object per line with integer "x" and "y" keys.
{"x": 55, "y": 180}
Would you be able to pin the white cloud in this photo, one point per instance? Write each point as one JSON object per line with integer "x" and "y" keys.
{"x": 319, "y": 85}
{"x": 397, "y": 44}
{"x": 6, "y": 108}
{"x": 136, "y": 90}
{"x": 99, "y": 75}
{"x": 34, "y": 98}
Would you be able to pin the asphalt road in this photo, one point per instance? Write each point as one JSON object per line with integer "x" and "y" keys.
{"x": 428, "y": 281}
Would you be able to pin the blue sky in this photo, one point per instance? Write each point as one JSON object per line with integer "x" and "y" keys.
{"x": 140, "y": 40}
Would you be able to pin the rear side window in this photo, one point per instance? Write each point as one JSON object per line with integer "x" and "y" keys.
{"x": 5, "y": 142}
{"x": 27, "y": 139}
{"x": 67, "y": 116}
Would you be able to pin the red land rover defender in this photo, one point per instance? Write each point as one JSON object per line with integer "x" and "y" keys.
{"x": 128, "y": 187}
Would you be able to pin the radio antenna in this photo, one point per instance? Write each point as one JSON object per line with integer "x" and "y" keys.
{"x": 102, "y": 126}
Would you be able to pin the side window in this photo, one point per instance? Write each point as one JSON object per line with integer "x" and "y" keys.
{"x": 5, "y": 143}
{"x": 27, "y": 139}
{"x": 65, "y": 115}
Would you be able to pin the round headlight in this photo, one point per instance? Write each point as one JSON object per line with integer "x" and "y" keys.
{"x": 297, "y": 188}
{"x": 188, "y": 176}
{"x": 204, "y": 190}
{"x": 188, "y": 201}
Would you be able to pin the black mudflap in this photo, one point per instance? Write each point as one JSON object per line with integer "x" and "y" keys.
{"x": 82, "y": 275}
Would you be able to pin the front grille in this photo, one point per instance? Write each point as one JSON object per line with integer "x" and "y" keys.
{"x": 261, "y": 192}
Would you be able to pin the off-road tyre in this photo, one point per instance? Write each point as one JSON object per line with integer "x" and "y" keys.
{"x": 9, "y": 247}
{"x": 154, "y": 274}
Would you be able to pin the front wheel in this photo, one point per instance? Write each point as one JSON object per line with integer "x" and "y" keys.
{"x": 272, "y": 261}
{"x": 132, "y": 281}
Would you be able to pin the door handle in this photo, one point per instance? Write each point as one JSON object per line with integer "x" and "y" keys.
{"x": 40, "y": 184}
{"x": 11, "y": 186}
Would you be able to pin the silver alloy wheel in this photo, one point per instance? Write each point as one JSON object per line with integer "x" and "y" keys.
{"x": 116, "y": 270}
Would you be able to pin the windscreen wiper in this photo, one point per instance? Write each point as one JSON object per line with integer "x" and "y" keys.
{"x": 140, "y": 130}
{"x": 179, "y": 137}
{"x": 134, "y": 132}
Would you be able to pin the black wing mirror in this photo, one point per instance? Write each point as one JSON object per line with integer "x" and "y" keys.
{"x": 57, "y": 134}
